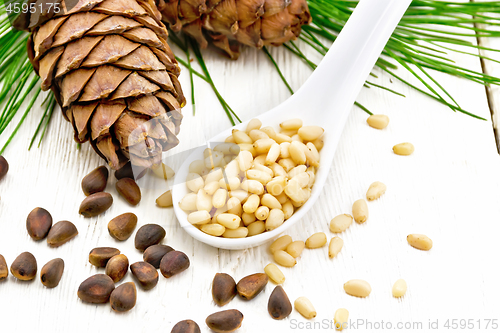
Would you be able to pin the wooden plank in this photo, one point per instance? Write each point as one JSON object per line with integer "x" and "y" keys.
{"x": 448, "y": 190}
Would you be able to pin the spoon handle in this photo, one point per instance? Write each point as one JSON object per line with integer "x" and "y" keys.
{"x": 332, "y": 88}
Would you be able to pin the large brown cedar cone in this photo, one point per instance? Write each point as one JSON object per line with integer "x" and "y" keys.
{"x": 113, "y": 74}
{"x": 227, "y": 23}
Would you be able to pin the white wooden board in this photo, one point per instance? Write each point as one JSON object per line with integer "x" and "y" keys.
{"x": 448, "y": 189}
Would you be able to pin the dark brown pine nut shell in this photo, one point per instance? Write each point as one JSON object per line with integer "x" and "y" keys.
{"x": 225, "y": 321}
{"x": 117, "y": 267}
{"x": 96, "y": 289}
{"x": 148, "y": 235}
{"x": 223, "y": 288}
{"x": 186, "y": 326}
{"x": 173, "y": 263}
{"x": 145, "y": 273}
{"x": 123, "y": 298}
{"x": 96, "y": 204}
{"x": 154, "y": 253}
{"x": 38, "y": 223}
{"x": 122, "y": 226}
{"x": 100, "y": 256}
{"x": 95, "y": 181}
{"x": 60, "y": 233}
{"x": 24, "y": 267}
{"x": 51, "y": 273}
{"x": 129, "y": 190}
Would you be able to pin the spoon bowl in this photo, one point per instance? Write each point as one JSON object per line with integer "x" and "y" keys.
{"x": 324, "y": 100}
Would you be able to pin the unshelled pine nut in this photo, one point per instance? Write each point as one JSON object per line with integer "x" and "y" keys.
{"x": 274, "y": 273}
{"x": 295, "y": 248}
{"x": 229, "y": 221}
{"x": 241, "y": 232}
{"x": 317, "y": 240}
{"x": 418, "y": 241}
{"x": 336, "y": 244}
{"x": 213, "y": 229}
{"x": 199, "y": 217}
{"x": 256, "y": 228}
{"x": 275, "y": 219}
{"x": 284, "y": 259}
{"x": 340, "y": 223}
{"x": 399, "y": 288}
{"x": 310, "y": 133}
{"x": 378, "y": 121}
{"x": 341, "y": 318}
{"x": 360, "y": 211}
{"x": 253, "y": 124}
{"x": 358, "y": 288}
{"x": 404, "y": 149}
{"x": 375, "y": 190}
{"x": 280, "y": 243}
{"x": 305, "y": 307}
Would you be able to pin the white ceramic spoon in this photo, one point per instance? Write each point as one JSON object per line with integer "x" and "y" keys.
{"x": 325, "y": 100}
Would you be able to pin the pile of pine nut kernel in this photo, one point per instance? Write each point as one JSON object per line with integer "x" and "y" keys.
{"x": 254, "y": 181}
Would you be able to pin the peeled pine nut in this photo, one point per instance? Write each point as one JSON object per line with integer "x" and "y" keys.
{"x": 219, "y": 198}
{"x": 214, "y": 176}
{"x": 234, "y": 206}
{"x": 199, "y": 217}
{"x": 230, "y": 139}
{"x": 163, "y": 171}
{"x": 248, "y": 218}
{"x": 262, "y": 168}
{"x": 305, "y": 307}
{"x": 280, "y": 138}
{"x": 404, "y": 148}
{"x": 296, "y": 137}
{"x": 282, "y": 198}
{"x": 336, "y": 244}
{"x": 232, "y": 169}
{"x": 399, "y": 288}
{"x": 302, "y": 179}
{"x": 253, "y": 124}
{"x": 241, "y": 232}
{"x": 213, "y": 229}
{"x": 284, "y": 259}
{"x": 314, "y": 151}
{"x": 257, "y": 135}
{"x": 244, "y": 159}
{"x": 287, "y": 164}
{"x": 232, "y": 183}
{"x": 194, "y": 182}
{"x": 251, "y": 204}
{"x": 378, "y": 121}
{"x": 284, "y": 152}
{"x": 276, "y": 186}
{"x": 318, "y": 143}
{"x": 245, "y": 147}
{"x": 275, "y": 219}
{"x": 213, "y": 160}
{"x": 340, "y": 223}
{"x": 258, "y": 175}
{"x": 280, "y": 243}
{"x": 188, "y": 202}
{"x": 203, "y": 201}
{"x": 270, "y": 201}
{"x": 297, "y": 170}
{"x": 210, "y": 188}
{"x": 317, "y": 240}
{"x": 288, "y": 209}
{"x": 360, "y": 211}
{"x": 196, "y": 166}
{"x": 295, "y": 248}
{"x": 252, "y": 186}
{"x": 262, "y": 146}
{"x": 273, "y": 154}
{"x": 271, "y": 133}
{"x": 341, "y": 319}
{"x": 274, "y": 273}
{"x": 217, "y": 212}
{"x": 310, "y": 133}
{"x": 256, "y": 228}
{"x": 375, "y": 190}
{"x": 277, "y": 170}
{"x": 291, "y": 124}
{"x": 229, "y": 221}
{"x": 358, "y": 288}
{"x": 241, "y": 137}
{"x": 227, "y": 148}
{"x": 418, "y": 241}
{"x": 297, "y": 154}
{"x": 262, "y": 213}
{"x": 165, "y": 200}
{"x": 240, "y": 194}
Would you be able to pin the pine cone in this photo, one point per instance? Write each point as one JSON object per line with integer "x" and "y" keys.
{"x": 113, "y": 74}
{"x": 229, "y": 23}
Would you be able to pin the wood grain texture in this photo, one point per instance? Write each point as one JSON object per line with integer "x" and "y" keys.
{"x": 448, "y": 189}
